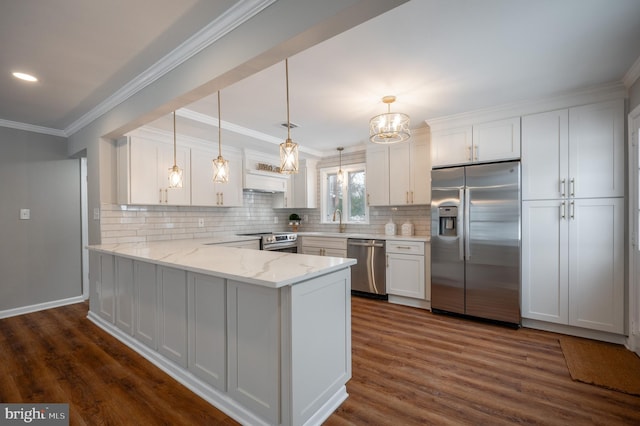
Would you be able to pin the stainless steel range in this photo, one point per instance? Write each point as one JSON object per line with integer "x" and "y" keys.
{"x": 277, "y": 241}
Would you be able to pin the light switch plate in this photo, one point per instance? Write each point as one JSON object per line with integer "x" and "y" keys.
{"x": 25, "y": 214}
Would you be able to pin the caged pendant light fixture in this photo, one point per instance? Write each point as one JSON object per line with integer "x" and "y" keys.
{"x": 391, "y": 127}
{"x": 288, "y": 149}
{"x": 175, "y": 172}
{"x": 220, "y": 165}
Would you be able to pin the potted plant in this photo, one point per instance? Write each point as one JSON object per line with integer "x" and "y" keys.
{"x": 294, "y": 221}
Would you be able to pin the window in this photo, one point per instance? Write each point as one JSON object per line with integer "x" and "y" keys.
{"x": 348, "y": 198}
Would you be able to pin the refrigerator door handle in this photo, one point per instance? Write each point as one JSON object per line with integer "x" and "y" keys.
{"x": 461, "y": 219}
{"x": 467, "y": 225}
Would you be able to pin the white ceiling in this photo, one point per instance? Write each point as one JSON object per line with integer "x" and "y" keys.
{"x": 439, "y": 57}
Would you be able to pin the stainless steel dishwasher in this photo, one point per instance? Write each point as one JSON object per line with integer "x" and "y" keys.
{"x": 368, "y": 276}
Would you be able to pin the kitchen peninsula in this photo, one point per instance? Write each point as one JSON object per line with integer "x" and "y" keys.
{"x": 263, "y": 336}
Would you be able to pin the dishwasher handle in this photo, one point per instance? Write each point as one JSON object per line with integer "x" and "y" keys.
{"x": 365, "y": 244}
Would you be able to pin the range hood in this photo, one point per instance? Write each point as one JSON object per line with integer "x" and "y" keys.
{"x": 264, "y": 182}
{"x": 260, "y": 173}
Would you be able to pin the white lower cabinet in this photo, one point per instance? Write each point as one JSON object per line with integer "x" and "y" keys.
{"x": 145, "y": 303}
{"x": 103, "y": 284}
{"x": 124, "y": 294}
{"x": 407, "y": 269}
{"x": 172, "y": 314}
{"x": 573, "y": 262}
{"x": 253, "y": 375}
{"x": 324, "y": 246}
{"x": 207, "y": 307}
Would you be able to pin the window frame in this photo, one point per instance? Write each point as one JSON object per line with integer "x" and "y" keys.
{"x": 326, "y": 216}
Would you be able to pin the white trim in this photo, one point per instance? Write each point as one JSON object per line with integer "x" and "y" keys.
{"x": 633, "y": 341}
{"x": 32, "y": 128}
{"x": 593, "y": 94}
{"x": 40, "y": 307}
{"x": 574, "y": 331}
{"x": 632, "y": 74}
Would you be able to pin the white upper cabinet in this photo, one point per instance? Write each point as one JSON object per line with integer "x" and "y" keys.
{"x": 143, "y": 172}
{"x": 302, "y": 193}
{"x": 377, "y": 175}
{"x": 399, "y": 174}
{"x": 576, "y": 152}
{"x": 206, "y": 192}
{"x": 480, "y": 143}
{"x": 596, "y": 150}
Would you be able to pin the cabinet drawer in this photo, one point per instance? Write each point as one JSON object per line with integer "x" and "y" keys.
{"x": 405, "y": 247}
{"x": 325, "y": 242}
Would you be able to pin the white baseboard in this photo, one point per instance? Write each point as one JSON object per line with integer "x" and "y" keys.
{"x": 408, "y": 301}
{"x": 575, "y": 331}
{"x": 40, "y": 307}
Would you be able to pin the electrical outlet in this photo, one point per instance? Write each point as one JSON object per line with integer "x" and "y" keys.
{"x": 25, "y": 214}
{"x": 275, "y": 219}
{"x": 200, "y": 222}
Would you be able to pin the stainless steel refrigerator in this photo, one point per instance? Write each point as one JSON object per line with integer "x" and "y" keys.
{"x": 475, "y": 241}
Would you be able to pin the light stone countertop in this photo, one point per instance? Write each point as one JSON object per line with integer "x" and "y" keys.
{"x": 264, "y": 268}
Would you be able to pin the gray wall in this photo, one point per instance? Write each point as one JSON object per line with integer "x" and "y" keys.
{"x": 40, "y": 258}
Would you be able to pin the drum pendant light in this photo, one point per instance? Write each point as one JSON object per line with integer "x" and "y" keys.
{"x": 220, "y": 165}
{"x": 175, "y": 172}
{"x": 391, "y": 127}
{"x": 288, "y": 149}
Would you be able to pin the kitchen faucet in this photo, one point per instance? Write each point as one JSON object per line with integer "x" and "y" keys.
{"x": 341, "y": 226}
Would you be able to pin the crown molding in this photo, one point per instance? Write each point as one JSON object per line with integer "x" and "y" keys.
{"x": 32, "y": 128}
{"x": 206, "y": 119}
{"x": 632, "y": 74}
{"x": 592, "y": 94}
{"x": 225, "y": 23}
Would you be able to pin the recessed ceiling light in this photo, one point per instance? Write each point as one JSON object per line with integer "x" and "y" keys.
{"x": 25, "y": 77}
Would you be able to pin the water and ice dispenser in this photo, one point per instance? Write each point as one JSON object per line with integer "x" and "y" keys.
{"x": 448, "y": 221}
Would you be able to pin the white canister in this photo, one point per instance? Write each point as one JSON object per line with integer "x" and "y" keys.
{"x": 390, "y": 228}
{"x": 407, "y": 229}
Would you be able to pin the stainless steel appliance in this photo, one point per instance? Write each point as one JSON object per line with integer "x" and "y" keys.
{"x": 475, "y": 241}
{"x": 368, "y": 276}
{"x": 277, "y": 241}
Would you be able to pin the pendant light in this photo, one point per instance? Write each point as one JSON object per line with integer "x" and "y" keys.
{"x": 288, "y": 149}
{"x": 390, "y": 127}
{"x": 220, "y": 165}
{"x": 175, "y": 172}
{"x": 340, "y": 175}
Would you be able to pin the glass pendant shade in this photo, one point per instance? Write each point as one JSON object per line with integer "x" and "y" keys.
{"x": 288, "y": 157}
{"x": 288, "y": 149}
{"x": 175, "y": 172}
{"x": 220, "y": 170}
{"x": 390, "y": 127}
{"x": 220, "y": 165}
{"x": 175, "y": 177}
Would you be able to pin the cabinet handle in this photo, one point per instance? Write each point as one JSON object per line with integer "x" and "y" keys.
{"x": 222, "y": 198}
{"x": 563, "y": 213}
{"x": 160, "y": 196}
{"x": 469, "y": 153}
{"x": 475, "y": 153}
{"x": 406, "y": 196}
{"x": 403, "y": 247}
{"x": 411, "y": 197}
{"x": 166, "y": 196}
{"x": 563, "y": 187}
{"x": 387, "y": 261}
{"x": 573, "y": 210}
{"x": 573, "y": 187}
{"x": 368, "y": 199}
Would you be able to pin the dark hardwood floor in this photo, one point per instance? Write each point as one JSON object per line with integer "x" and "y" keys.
{"x": 410, "y": 367}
